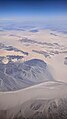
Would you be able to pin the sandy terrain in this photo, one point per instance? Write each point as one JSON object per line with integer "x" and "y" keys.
{"x": 48, "y": 90}
{"x": 47, "y": 99}
{"x": 28, "y": 100}
{"x": 46, "y": 45}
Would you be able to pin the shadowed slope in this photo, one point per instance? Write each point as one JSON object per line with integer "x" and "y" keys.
{"x": 16, "y": 75}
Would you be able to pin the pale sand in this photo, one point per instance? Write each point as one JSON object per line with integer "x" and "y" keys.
{"x": 47, "y": 90}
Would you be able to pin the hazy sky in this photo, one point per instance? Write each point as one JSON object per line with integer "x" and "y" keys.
{"x": 34, "y": 9}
